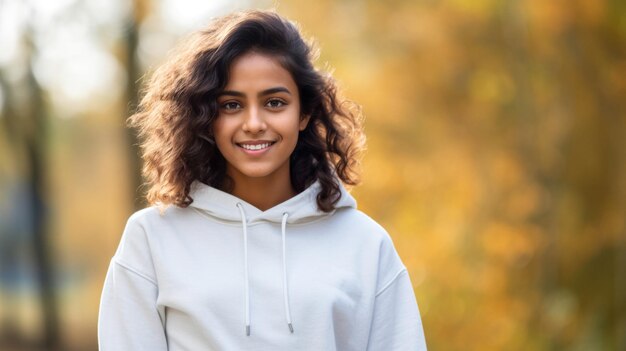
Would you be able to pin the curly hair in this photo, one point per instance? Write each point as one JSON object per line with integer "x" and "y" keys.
{"x": 179, "y": 106}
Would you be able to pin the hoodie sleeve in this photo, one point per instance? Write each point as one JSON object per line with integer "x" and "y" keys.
{"x": 396, "y": 322}
{"x": 128, "y": 317}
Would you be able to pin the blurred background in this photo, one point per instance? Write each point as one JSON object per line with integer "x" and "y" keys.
{"x": 496, "y": 157}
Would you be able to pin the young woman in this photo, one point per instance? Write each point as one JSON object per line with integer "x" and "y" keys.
{"x": 253, "y": 243}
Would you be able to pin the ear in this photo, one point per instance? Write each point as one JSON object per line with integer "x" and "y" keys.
{"x": 304, "y": 121}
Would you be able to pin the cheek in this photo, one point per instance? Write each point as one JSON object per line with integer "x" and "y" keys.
{"x": 220, "y": 131}
{"x": 292, "y": 128}
{"x": 222, "y": 137}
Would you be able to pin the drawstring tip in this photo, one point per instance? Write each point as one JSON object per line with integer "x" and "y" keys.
{"x": 247, "y": 330}
{"x": 290, "y": 327}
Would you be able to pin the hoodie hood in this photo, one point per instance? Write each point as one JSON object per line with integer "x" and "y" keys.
{"x": 299, "y": 209}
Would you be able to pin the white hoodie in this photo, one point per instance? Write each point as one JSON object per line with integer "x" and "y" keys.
{"x": 224, "y": 275}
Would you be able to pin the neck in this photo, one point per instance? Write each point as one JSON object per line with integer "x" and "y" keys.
{"x": 263, "y": 192}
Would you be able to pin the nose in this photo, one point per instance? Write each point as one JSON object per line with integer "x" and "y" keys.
{"x": 253, "y": 121}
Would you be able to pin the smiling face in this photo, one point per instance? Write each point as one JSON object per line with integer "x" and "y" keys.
{"x": 259, "y": 119}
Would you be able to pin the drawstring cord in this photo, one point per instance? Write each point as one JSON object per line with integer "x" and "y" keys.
{"x": 246, "y": 284}
{"x": 245, "y": 260}
{"x": 285, "y": 288}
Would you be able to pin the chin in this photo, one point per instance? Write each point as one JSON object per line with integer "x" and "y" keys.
{"x": 256, "y": 172}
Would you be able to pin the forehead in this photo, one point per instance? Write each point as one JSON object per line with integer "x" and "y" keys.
{"x": 258, "y": 71}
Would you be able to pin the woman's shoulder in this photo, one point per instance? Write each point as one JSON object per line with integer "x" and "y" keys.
{"x": 155, "y": 223}
{"x": 361, "y": 222}
{"x": 370, "y": 231}
{"x": 146, "y": 226}
{"x": 156, "y": 214}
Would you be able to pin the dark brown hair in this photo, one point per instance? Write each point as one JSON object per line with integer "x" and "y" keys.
{"x": 176, "y": 114}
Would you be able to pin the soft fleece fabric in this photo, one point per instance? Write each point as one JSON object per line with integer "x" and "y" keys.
{"x": 179, "y": 281}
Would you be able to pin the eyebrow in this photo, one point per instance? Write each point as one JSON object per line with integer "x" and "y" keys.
{"x": 263, "y": 93}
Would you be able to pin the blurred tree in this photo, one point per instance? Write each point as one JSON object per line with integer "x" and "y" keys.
{"x": 35, "y": 139}
{"x": 139, "y": 11}
{"x": 26, "y": 126}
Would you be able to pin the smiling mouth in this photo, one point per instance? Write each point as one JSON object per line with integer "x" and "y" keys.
{"x": 256, "y": 146}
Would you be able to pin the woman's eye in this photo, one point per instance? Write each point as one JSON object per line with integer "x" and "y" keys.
{"x": 275, "y": 103}
{"x": 231, "y": 105}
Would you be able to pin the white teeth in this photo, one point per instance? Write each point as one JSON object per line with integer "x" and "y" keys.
{"x": 255, "y": 147}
